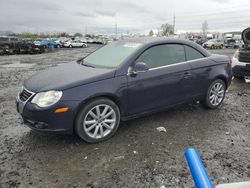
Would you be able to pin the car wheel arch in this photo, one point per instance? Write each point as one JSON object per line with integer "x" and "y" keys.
{"x": 107, "y": 96}
{"x": 223, "y": 78}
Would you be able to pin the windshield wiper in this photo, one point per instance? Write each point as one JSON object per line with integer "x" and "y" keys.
{"x": 87, "y": 65}
{"x": 84, "y": 63}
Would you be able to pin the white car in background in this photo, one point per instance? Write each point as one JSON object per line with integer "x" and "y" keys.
{"x": 75, "y": 43}
{"x": 240, "y": 69}
{"x": 213, "y": 43}
{"x": 241, "y": 58}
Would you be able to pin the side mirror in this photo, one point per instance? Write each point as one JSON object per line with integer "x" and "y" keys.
{"x": 139, "y": 67}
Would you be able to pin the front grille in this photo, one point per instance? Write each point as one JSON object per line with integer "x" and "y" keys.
{"x": 24, "y": 95}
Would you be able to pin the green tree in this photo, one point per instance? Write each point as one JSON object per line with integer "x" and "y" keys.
{"x": 64, "y": 34}
{"x": 151, "y": 33}
{"x": 77, "y": 35}
{"x": 167, "y": 29}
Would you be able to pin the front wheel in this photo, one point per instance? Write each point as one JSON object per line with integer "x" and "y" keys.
{"x": 215, "y": 94}
{"x": 98, "y": 120}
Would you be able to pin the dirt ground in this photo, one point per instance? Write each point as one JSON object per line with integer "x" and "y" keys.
{"x": 137, "y": 156}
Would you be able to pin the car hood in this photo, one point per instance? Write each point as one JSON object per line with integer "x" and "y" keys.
{"x": 66, "y": 76}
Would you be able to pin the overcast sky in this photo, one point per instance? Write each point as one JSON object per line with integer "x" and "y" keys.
{"x": 100, "y": 16}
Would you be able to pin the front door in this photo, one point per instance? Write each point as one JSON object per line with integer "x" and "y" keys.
{"x": 165, "y": 83}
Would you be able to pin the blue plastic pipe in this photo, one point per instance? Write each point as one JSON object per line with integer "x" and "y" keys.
{"x": 197, "y": 169}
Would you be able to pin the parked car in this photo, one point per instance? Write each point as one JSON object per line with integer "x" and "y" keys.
{"x": 238, "y": 44}
{"x": 28, "y": 47}
{"x": 240, "y": 69}
{"x": 50, "y": 43}
{"x": 14, "y": 45}
{"x": 241, "y": 58}
{"x": 201, "y": 41}
{"x": 57, "y": 42}
{"x": 229, "y": 43}
{"x": 121, "y": 81}
{"x": 213, "y": 43}
{"x": 74, "y": 43}
{"x": 98, "y": 41}
{"x": 90, "y": 40}
{"x": 10, "y": 45}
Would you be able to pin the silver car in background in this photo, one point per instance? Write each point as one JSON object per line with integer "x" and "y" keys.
{"x": 213, "y": 43}
{"x": 75, "y": 43}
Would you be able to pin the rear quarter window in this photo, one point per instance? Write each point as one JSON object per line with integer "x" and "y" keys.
{"x": 192, "y": 53}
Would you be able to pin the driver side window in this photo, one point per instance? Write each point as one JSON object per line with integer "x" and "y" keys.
{"x": 162, "y": 55}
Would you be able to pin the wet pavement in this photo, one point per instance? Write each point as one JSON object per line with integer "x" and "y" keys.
{"x": 138, "y": 155}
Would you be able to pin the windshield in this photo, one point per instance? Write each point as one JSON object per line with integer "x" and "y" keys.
{"x": 112, "y": 54}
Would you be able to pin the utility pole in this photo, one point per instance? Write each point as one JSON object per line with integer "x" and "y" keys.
{"x": 174, "y": 23}
{"x": 116, "y": 30}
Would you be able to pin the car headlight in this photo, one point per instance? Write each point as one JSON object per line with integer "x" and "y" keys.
{"x": 48, "y": 98}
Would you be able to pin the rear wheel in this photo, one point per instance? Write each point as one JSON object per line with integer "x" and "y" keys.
{"x": 215, "y": 94}
{"x": 98, "y": 120}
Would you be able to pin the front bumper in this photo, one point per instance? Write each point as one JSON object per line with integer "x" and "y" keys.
{"x": 45, "y": 119}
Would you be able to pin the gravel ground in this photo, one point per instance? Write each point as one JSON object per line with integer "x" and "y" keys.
{"x": 138, "y": 155}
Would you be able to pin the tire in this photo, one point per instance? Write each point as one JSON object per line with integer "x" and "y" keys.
{"x": 214, "y": 90}
{"x": 96, "y": 128}
{"x": 221, "y": 46}
{"x": 70, "y": 46}
{"x": 212, "y": 47}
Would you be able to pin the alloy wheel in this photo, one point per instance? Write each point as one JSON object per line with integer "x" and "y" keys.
{"x": 216, "y": 94}
{"x": 99, "y": 121}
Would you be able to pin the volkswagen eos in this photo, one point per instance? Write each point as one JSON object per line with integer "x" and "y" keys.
{"x": 120, "y": 81}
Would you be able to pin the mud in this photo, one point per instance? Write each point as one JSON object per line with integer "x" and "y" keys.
{"x": 137, "y": 156}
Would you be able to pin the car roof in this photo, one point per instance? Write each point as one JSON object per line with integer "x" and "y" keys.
{"x": 147, "y": 40}
{"x": 151, "y": 41}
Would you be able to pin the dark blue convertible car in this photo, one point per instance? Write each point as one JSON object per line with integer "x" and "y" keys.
{"x": 120, "y": 81}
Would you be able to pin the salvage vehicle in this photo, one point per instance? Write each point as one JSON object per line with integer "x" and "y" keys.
{"x": 28, "y": 47}
{"x": 201, "y": 41}
{"x": 229, "y": 43}
{"x": 14, "y": 45}
{"x": 241, "y": 58}
{"x": 10, "y": 45}
{"x": 49, "y": 43}
{"x": 238, "y": 44}
{"x": 75, "y": 43}
{"x": 120, "y": 81}
{"x": 213, "y": 43}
